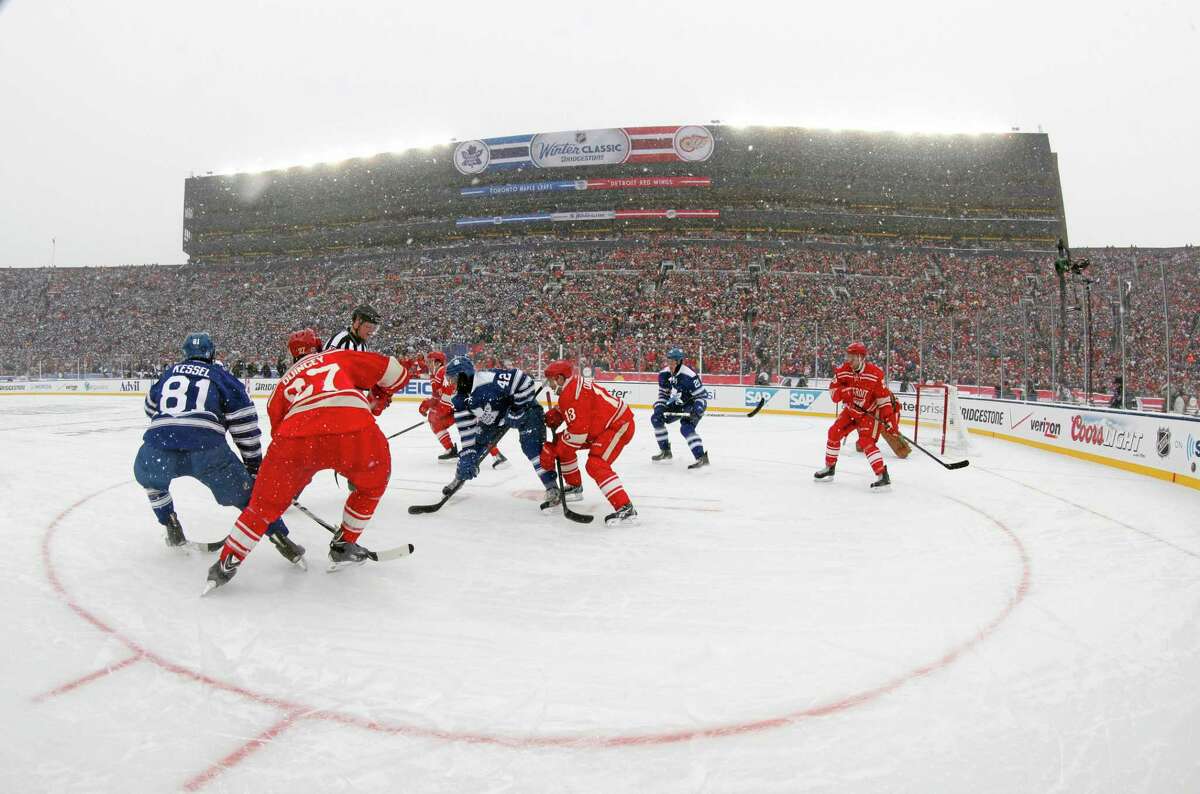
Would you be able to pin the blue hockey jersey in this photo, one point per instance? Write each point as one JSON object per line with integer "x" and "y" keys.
{"x": 684, "y": 388}
{"x": 498, "y": 398}
{"x": 194, "y": 403}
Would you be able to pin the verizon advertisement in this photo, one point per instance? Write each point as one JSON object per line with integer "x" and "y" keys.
{"x": 1160, "y": 445}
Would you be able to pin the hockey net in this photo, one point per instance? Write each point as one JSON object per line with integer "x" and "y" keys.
{"x": 939, "y": 424}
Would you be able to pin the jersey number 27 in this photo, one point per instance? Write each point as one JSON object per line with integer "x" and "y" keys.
{"x": 300, "y": 388}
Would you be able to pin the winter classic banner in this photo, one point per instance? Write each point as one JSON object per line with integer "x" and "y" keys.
{"x": 689, "y": 143}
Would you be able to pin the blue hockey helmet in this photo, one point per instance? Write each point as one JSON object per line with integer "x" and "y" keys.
{"x": 459, "y": 364}
{"x": 675, "y": 354}
{"x": 199, "y": 345}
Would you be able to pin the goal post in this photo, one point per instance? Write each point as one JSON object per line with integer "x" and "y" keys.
{"x": 937, "y": 421}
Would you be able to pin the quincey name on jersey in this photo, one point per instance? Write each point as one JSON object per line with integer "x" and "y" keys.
{"x": 322, "y": 393}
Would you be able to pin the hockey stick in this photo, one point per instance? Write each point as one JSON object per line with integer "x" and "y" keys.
{"x": 386, "y": 438}
{"x": 681, "y": 414}
{"x": 958, "y": 464}
{"x": 377, "y": 556}
{"x": 579, "y": 518}
{"x": 420, "y": 510}
{"x": 199, "y": 545}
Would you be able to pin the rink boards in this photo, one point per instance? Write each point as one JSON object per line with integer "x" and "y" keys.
{"x": 1157, "y": 445}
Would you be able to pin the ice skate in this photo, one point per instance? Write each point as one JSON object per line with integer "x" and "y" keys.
{"x": 175, "y": 536}
{"x": 883, "y": 481}
{"x": 220, "y": 573}
{"x": 344, "y": 554}
{"x": 700, "y": 463}
{"x": 552, "y": 499}
{"x": 825, "y": 474}
{"x": 623, "y": 515}
{"x": 662, "y": 456}
{"x": 290, "y": 550}
{"x": 449, "y": 456}
{"x": 573, "y": 493}
{"x": 500, "y": 462}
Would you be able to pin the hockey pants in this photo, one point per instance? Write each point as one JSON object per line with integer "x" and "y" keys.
{"x": 687, "y": 427}
{"x": 218, "y": 468}
{"x": 601, "y": 454}
{"x": 848, "y": 422}
{"x": 362, "y": 457}
{"x": 441, "y": 419}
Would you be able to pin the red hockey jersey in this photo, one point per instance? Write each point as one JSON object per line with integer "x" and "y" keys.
{"x": 589, "y": 410}
{"x": 323, "y": 392}
{"x": 442, "y": 392}
{"x": 862, "y": 391}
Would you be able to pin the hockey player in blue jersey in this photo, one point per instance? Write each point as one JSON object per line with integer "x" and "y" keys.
{"x": 191, "y": 406}
{"x": 679, "y": 391}
{"x": 485, "y": 404}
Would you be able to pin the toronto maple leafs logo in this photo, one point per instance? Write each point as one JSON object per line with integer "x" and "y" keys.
{"x": 472, "y": 157}
{"x": 488, "y": 414}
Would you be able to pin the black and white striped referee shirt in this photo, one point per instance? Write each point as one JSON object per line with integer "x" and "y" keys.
{"x": 345, "y": 340}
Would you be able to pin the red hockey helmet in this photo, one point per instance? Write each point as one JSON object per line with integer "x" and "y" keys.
{"x": 560, "y": 368}
{"x": 437, "y": 357}
{"x": 303, "y": 342}
{"x": 856, "y": 349}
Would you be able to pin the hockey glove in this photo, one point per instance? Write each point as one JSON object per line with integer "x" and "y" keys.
{"x": 426, "y": 405}
{"x": 379, "y": 399}
{"x": 554, "y": 418}
{"x": 468, "y": 464}
{"x": 659, "y": 410}
{"x": 697, "y": 414}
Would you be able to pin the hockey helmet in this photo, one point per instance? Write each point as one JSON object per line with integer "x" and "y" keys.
{"x": 199, "y": 345}
{"x": 303, "y": 342}
{"x": 366, "y": 313}
{"x": 856, "y": 349}
{"x": 675, "y": 354}
{"x": 460, "y": 365}
{"x": 437, "y": 356}
{"x": 559, "y": 369}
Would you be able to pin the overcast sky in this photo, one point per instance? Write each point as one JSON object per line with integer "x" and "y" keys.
{"x": 105, "y": 107}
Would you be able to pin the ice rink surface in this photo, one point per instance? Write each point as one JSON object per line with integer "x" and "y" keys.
{"x": 1028, "y": 624}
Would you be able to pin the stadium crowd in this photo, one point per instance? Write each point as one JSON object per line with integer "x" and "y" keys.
{"x": 747, "y": 306}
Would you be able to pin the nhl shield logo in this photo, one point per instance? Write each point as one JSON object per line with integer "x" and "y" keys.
{"x": 581, "y": 137}
{"x": 1164, "y": 442}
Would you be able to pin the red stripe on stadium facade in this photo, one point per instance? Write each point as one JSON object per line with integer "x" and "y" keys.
{"x": 638, "y": 131}
{"x": 663, "y": 144}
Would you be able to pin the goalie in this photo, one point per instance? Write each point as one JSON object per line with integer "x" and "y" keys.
{"x": 868, "y": 408}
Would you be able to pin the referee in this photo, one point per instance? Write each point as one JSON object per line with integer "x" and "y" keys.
{"x": 363, "y": 323}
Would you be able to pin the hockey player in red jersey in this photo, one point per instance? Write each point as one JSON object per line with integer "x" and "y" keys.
{"x": 322, "y": 417}
{"x": 863, "y": 391}
{"x": 596, "y": 420}
{"x": 439, "y": 409}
